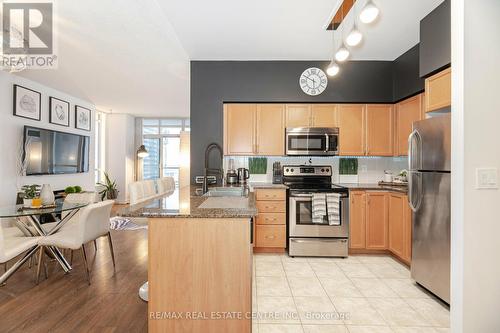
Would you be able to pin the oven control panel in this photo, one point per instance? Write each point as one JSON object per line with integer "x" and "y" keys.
{"x": 307, "y": 170}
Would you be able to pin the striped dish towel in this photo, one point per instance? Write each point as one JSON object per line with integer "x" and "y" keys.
{"x": 333, "y": 208}
{"x": 318, "y": 207}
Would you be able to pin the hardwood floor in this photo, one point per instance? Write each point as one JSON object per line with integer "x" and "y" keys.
{"x": 66, "y": 303}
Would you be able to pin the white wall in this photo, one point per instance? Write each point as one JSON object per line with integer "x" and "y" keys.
{"x": 370, "y": 169}
{"x": 11, "y": 134}
{"x": 120, "y": 151}
{"x": 475, "y": 298}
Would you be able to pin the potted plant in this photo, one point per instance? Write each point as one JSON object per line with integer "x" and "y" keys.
{"x": 30, "y": 192}
{"x": 109, "y": 190}
{"x": 72, "y": 189}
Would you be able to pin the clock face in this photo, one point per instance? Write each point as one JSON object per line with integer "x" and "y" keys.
{"x": 313, "y": 81}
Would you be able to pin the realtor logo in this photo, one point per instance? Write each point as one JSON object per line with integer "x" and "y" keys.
{"x": 28, "y": 35}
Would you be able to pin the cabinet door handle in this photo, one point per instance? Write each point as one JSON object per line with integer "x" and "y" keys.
{"x": 270, "y": 237}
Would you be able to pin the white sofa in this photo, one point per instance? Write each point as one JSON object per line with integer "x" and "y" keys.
{"x": 145, "y": 190}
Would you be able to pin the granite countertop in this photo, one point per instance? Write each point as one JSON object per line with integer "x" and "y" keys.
{"x": 375, "y": 186}
{"x": 257, "y": 185}
{"x": 185, "y": 203}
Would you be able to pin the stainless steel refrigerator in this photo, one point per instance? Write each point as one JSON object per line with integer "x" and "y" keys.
{"x": 429, "y": 178}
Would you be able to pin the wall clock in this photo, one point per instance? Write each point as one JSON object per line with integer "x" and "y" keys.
{"x": 313, "y": 81}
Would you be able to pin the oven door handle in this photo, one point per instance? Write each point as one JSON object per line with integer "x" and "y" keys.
{"x": 323, "y": 240}
{"x": 302, "y": 195}
{"x": 327, "y": 143}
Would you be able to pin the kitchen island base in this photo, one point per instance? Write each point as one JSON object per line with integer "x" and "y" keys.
{"x": 200, "y": 275}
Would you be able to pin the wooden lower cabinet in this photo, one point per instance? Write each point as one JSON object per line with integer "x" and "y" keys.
{"x": 270, "y": 194}
{"x": 357, "y": 225}
{"x": 376, "y": 220}
{"x": 270, "y": 223}
{"x": 380, "y": 221}
{"x": 400, "y": 226}
{"x": 396, "y": 224}
{"x": 270, "y": 236}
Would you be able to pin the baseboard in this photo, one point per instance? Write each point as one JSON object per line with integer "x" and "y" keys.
{"x": 268, "y": 250}
{"x": 375, "y": 252}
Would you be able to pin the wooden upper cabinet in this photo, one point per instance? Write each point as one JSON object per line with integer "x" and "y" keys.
{"x": 376, "y": 220}
{"x": 239, "y": 129}
{"x": 407, "y": 112}
{"x": 397, "y": 224}
{"x": 379, "y": 130}
{"x": 298, "y": 115}
{"x": 324, "y": 115}
{"x": 351, "y": 122}
{"x": 270, "y": 129}
{"x": 357, "y": 226}
{"x": 438, "y": 90}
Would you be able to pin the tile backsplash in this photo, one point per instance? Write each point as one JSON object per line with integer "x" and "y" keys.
{"x": 370, "y": 169}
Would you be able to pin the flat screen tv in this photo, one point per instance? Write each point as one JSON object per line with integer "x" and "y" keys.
{"x": 48, "y": 152}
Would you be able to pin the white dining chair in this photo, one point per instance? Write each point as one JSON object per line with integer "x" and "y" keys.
{"x": 13, "y": 243}
{"x": 83, "y": 197}
{"x": 92, "y": 223}
{"x": 136, "y": 192}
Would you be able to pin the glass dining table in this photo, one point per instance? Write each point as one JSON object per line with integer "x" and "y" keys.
{"x": 29, "y": 222}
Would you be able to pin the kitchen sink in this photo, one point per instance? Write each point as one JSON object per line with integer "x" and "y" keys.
{"x": 226, "y": 192}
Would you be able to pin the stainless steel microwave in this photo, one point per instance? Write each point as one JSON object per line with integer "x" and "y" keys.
{"x": 312, "y": 141}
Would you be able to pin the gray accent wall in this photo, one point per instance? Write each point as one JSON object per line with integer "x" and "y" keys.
{"x": 435, "y": 40}
{"x": 216, "y": 82}
{"x": 407, "y": 80}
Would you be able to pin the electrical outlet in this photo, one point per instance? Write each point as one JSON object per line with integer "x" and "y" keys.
{"x": 363, "y": 168}
{"x": 487, "y": 178}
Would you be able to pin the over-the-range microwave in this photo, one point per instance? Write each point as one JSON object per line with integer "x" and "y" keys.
{"x": 312, "y": 141}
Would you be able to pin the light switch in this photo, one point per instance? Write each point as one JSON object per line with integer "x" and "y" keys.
{"x": 363, "y": 168}
{"x": 487, "y": 178}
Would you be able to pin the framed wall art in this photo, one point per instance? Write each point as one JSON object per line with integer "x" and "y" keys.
{"x": 83, "y": 118}
{"x": 27, "y": 103}
{"x": 58, "y": 112}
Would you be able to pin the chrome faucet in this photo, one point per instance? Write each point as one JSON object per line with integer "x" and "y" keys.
{"x": 209, "y": 171}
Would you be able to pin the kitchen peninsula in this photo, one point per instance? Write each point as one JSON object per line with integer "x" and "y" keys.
{"x": 200, "y": 261}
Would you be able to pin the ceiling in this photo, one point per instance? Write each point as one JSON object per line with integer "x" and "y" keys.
{"x": 134, "y": 57}
{"x": 289, "y": 29}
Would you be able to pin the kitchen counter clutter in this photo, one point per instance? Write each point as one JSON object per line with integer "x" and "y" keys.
{"x": 188, "y": 204}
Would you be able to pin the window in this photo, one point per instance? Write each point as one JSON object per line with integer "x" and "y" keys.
{"x": 99, "y": 150}
{"x": 161, "y": 137}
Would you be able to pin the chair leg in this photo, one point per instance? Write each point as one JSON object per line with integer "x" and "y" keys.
{"x": 40, "y": 262}
{"x": 112, "y": 250}
{"x": 85, "y": 263}
{"x": 71, "y": 259}
{"x": 95, "y": 245}
{"x": 5, "y": 271}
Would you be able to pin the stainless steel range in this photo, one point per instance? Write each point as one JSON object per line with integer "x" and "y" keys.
{"x": 308, "y": 237}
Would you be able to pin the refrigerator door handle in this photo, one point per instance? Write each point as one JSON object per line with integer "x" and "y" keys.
{"x": 412, "y": 186}
{"x": 414, "y": 151}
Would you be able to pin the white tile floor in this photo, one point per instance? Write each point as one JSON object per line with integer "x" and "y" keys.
{"x": 372, "y": 294}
